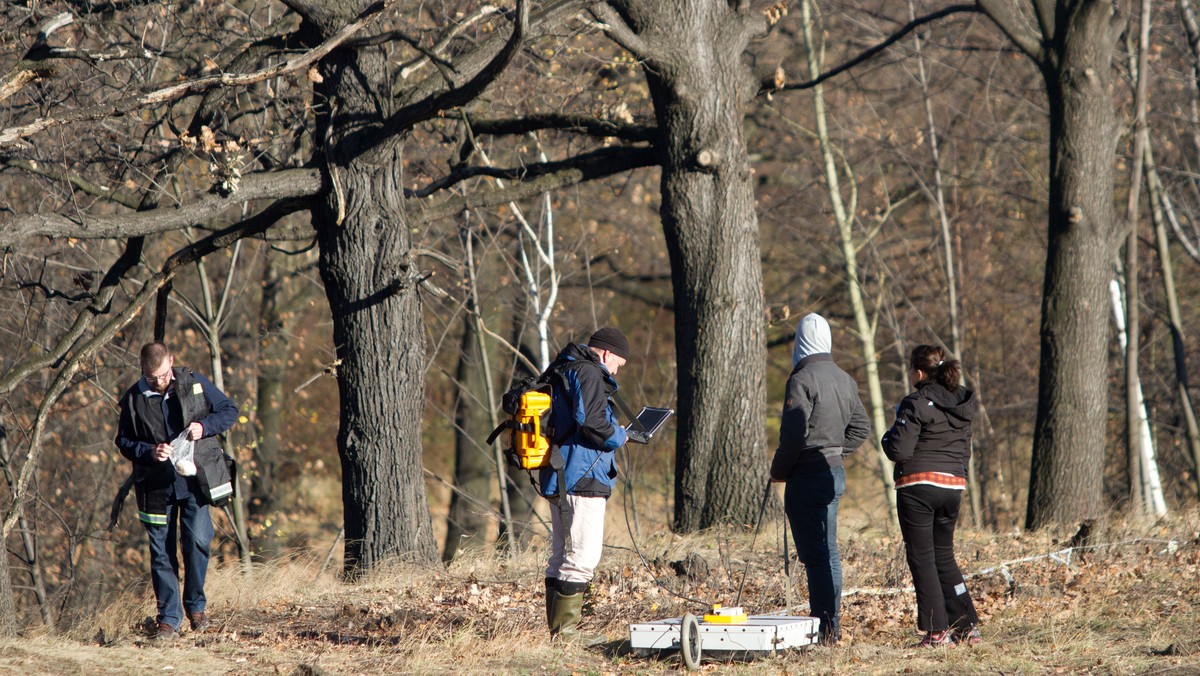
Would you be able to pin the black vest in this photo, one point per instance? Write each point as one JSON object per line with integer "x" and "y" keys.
{"x": 186, "y": 406}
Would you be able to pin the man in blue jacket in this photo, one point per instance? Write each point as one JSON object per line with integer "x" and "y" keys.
{"x": 588, "y": 436}
{"x": 166, "y": 404}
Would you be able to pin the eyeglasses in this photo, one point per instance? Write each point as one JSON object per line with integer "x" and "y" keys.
{"x": 160, "y": 378}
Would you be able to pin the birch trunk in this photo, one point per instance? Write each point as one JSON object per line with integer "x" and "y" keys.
{"x": 845, "y": 223}
{"x": 1159, "y": 213}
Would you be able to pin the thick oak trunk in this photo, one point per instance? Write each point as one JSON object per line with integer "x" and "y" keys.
{"x": 1069, "y": 435}
{"x": 712, "y": 238}
{"x": 369, "y": 279}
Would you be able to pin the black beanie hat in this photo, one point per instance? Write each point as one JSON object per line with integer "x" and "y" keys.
{"x": 612, "y": 340}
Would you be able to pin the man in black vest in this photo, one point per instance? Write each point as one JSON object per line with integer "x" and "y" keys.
{"x": 173, "y": 404}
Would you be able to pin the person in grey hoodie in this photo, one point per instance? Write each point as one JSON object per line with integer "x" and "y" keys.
{"x": 930, "y": 442}
{"x": 823, "y": 421}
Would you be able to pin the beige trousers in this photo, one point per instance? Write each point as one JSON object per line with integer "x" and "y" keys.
{"x": 577, "y": 538}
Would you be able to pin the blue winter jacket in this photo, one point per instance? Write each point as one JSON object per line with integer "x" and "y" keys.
{"x": 584, "y": 425}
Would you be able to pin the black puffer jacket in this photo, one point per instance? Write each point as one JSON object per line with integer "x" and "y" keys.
{"x": 932, "y": 432}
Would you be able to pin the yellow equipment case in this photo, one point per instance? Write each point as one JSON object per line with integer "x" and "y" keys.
{"x": 527, "y": 410}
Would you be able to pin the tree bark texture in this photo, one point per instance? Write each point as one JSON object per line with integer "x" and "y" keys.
{"x": 1069, "y": 434}
{"x": 8, "y": 603}
{"x": 369, "y": 277}
{"x": 700, "y": 86}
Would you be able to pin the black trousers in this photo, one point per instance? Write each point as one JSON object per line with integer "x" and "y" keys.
{"x": 927, "y": 518}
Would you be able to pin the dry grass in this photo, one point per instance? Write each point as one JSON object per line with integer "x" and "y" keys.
{"x": 1132, "y": 608}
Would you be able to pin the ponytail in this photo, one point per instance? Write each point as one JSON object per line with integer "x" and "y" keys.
{"x": 936, "y": 364}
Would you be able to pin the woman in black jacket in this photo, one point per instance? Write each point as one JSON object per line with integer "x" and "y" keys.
{"x": 930, "y": 442}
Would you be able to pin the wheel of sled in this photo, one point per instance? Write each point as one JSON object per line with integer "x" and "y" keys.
{"x": 689, "y": 641}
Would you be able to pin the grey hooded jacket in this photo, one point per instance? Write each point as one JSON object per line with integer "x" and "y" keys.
{"x": 823, "y": 419}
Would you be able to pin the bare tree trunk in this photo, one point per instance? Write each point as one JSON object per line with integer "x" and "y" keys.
{"x": 272, "y": 357}
{"x": 209, "y": 319}
{"x": 371, "y": 282}
{"x": 280, "y": 303}
{"x": 539, "y": 268}
{"x": 1132, "y": 333}
{"x": 1145, "y": 486}
{"x": 467, "y": 520}
{"x": 974, "y": 489}
{"x": 845, "y": 224}
{"x": 522, "y": 497}
{"x": 692, "y": 57}
{"x": 28, "y": 543}
{"x": 8, "y": 606}
{"x": 1074, "y": 52}
{"x": 489, "y": 390}
{"x": 1159, "y": 204}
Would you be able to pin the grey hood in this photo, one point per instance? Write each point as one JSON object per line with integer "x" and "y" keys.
{"x": 812, "y": 337}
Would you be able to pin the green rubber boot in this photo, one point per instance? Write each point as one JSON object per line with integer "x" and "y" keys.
{"x": 564, "y": 621}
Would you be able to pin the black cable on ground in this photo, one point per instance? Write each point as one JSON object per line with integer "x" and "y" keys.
{"x": 637, "y": 550}
{"x": 758, "y": 525}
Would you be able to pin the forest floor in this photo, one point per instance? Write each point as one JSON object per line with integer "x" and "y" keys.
{"x": 1129, "y": 603}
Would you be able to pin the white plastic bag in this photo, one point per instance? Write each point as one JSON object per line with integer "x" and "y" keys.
{"x": 182, "y": 455}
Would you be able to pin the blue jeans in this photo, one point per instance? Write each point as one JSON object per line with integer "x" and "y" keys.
{"x": 811, "y": 502}
{"x": 189, "y": 524}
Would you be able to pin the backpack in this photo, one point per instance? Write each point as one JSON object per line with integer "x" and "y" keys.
{"x": 527, "y": 410}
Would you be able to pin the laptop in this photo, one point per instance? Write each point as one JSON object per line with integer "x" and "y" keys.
{"x": 649, "y": 421}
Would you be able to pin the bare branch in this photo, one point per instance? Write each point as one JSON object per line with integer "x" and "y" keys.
{"x": 1001, "y": 15}
{"x": 12, "y": 135}
{"x": 425, "y": 210}
{"x": 290, "y": 183}
{"x": 615, "y": 27}
{"x": 430, "y": 107}
{"x": 50, "y": 25}
{"x": 547, "y": 20}
{"x": 585, "y": 124}
{"x": 651, "y": 289}
{"x": 19, "y": 77}
{"x": 771, "y": 83}
{"x": 32, "y": 66}
{"x": 618, "y": 157}
{"x": 1044, "y": 11}
{"x": 77, "y": 182}
{"x": 475, "y": 16}
{"x": 100, "y": 305}
{"x": 1192, "y": 249}
{"x": 1190, "y": 25}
